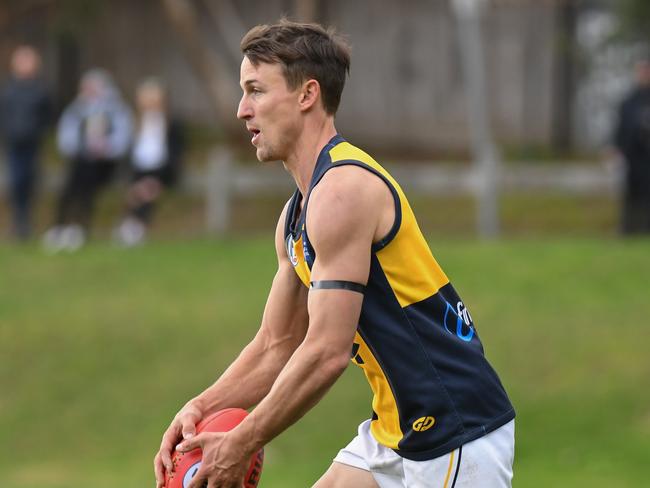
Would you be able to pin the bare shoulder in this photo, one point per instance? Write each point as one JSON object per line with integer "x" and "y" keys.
{"x": 354, "y": 181}
{"x": 348, "y": 202}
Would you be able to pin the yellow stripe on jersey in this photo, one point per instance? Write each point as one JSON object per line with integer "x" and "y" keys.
{"x": 408, "y": 264}
{"x": 345, "y": 150}
{"x": 301, "y": 267}
{"x": 411, "y": 270}
{"x": 387, "y": 431}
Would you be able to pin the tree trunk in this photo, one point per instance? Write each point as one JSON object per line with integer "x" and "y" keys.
{"x": 565, "y": 60}
{"x": 229, "y": 25}
{"x": 210, "y": 68}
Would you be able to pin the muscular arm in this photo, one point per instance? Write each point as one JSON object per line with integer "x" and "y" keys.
{"x": 344, "y": 216}
{"x": 283, "y": 328}
{"x": 347, "y": 212}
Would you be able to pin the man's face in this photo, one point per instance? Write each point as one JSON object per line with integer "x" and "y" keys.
{"x": 270, "y": 109}
{"x": 25, "y": 63}
{"x": 643, "y": 73}
{"x": 90, "y": 88}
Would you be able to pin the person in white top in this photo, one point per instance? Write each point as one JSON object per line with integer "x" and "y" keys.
{"x": 154, "y": 158}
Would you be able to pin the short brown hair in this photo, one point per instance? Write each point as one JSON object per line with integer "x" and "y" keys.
{"x": 305, "y": 51}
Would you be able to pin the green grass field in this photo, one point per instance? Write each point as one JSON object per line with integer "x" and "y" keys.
{"x": 99, "y": 349}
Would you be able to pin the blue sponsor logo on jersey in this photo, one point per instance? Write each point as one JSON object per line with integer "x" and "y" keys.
{"x": 463, "y": 328}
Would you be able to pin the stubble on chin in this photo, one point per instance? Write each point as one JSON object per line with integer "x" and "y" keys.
{"x": 267, "y": 155}
{"x": 276, "y": 151}
{"x": 264, "y": 156}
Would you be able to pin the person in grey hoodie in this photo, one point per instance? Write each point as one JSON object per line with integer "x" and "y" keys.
{"x": 94, "y": 133}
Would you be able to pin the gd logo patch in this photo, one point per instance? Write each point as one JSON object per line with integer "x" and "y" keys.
{"x": 423, "y": 423}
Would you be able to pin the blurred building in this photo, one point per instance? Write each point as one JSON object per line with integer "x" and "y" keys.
{"x": 405, "y": 91}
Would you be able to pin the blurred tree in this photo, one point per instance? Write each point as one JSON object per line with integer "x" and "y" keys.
{"x": 63, "y": 22}
{"x": 565, "y": 75}
{"x": 210, "y": 66}
{"x": 71, "y": 19}
{"x": 634, "y": 17}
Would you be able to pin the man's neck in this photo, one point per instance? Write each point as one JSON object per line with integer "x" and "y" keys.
{"x": 302, "y": 161}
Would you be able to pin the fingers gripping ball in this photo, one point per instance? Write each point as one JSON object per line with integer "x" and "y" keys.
{"x": 186, "y": 464}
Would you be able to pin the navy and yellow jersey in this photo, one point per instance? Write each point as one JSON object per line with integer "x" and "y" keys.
{"x": 416, "y": 341}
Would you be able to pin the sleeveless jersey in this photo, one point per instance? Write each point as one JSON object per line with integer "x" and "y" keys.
{"x": 416, "y": 341}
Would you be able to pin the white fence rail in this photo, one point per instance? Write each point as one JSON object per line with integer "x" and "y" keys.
{"x": 224, "y": 179}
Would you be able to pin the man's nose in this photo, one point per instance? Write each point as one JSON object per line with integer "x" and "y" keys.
{"x": 244, "y": 111}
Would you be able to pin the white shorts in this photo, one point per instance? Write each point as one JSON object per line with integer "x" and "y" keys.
{"x": 485, "y": 462}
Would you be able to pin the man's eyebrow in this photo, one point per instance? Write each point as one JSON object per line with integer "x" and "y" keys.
{"x": 250, "y": 82}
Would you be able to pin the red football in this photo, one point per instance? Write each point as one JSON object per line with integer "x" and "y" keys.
{"x": 187, "y": 464}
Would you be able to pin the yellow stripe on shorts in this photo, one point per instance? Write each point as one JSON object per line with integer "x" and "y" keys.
{"x": 451, "y": 465}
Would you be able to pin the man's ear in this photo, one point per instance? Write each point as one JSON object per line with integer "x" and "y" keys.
{"x": 309, "y": 94}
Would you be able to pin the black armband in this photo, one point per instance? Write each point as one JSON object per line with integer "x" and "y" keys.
{"x": 337, "y": 285}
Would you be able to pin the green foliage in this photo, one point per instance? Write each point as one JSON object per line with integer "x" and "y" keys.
{"x": 634, "y": 18}
{"x": 99, "y": 349}
{"x": 73, "y": 17}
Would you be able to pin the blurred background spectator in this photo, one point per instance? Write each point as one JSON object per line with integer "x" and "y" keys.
{"x": 93, "y": 134}
{"x": 154, "y": 161}
{"x": 554, "y": 73}
{"x": 632, "y": 139}
{"x": 24, "y": 116}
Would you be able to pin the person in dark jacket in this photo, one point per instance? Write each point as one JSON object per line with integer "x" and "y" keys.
{"x": 24, "y": 114}
{"x": 155, "y": 161}
{"x": 632, "y": 139}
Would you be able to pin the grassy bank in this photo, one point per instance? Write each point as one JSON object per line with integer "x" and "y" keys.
{"x": 99, "y": 349}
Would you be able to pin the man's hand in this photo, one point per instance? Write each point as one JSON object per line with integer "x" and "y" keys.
{"x": 225, "y": 459}
{"x": 182, "y": 427}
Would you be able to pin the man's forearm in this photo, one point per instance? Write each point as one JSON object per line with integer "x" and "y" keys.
{"x": 308, "y": 375}
{"x": 248, "y": 379}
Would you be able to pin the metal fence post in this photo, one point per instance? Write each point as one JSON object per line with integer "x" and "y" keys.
{"x": 218, "y": 189}
{"x": 487, "y": 160}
